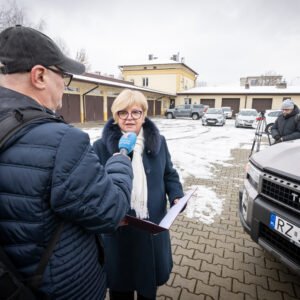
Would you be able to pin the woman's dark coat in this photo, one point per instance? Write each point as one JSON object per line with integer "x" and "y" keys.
{"x": 135, "y": 259}
{"x": 49, "y": 173}
{"x": 287, "y": 127}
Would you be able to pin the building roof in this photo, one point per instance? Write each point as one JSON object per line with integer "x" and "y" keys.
{"x": 241, "y": 90}
{"x": 118, "y": 84}
{"x": 154, "y": 62}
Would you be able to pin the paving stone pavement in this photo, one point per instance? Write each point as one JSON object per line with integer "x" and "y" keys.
{"x": 220, "y": 261}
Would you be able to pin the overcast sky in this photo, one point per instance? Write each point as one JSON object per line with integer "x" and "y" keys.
{"x": 222, "y": 40}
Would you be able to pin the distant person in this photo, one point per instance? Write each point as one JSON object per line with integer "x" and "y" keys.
{"x": 135, "y": 259}
{"x": 287, "y": 125}
{"x": 50, "y": 174}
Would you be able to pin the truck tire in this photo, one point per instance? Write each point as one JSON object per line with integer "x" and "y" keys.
{"x": 268, "y": 128}
{"x": 195, "y": 116}
{"x": 170, "y": 116}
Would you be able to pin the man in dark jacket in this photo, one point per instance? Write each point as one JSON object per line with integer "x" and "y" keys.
{"x": 287, "y": 125}
{"x": 50, "y": 174}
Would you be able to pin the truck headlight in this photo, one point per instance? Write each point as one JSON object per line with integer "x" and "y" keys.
{"x": 253, "y": 175}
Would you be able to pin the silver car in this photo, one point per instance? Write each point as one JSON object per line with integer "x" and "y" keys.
{"x": 246, "y": 118}
{"x": 213, "y": 116}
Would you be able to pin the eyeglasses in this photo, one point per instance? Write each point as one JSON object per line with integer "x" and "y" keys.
{"x": 124, "y": 114}
{"x": 67, "y": 77}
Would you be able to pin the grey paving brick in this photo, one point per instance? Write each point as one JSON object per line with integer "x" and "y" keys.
{"x": 179, "y": 242}
{"x": 210, "y": 229}
{"x": 198, "y": 225}
{"x": 190, "y": 237}
{"x": 257, "y": 280}
{"x": 235, "y": 241}
{"x": 201, "y": 233}
{"x": 237, "y": 274}
{"x": 176, "y": 234}
{"x": 181, "y": 282}
{"x": 184, "y": 252}
{"x": 285, "y": 287}
{"x": 258, "y": 260}
{"x": 196, "y": 246}
{"x": 212, "y": 291}
{"x": 207, "y": 241}
{"x": 208, "y": 257}
{"x": 216, "y": 269}
{"x": 169, "y": 292}
{"x": 181, "y": 270}
{"x": 276, "y": 265}
{"x": 248, "y": 250}
{"x": 223, "y": 261}
{"x": 177, "y": 259}
{"x": 198, "y": 275}
{"x": 185, "y": 295}
{"x": 220, "y": 281}
{"x": 239, "y": 287}
{"x": 180, "y": 223}
{"x": 217, "y": 236}
{"x": 268, "y": 295}
{"x": 225, "y": 245}
{"x": 234, "y": 255}
{"x": 191, "y": 263}
{"x": 213, "y": 250}
{"x": 171, "y": 279}
{"x": 227, "y": 295}
{"x": 285, "y": 277}
{"x": 260, "y": 271}
{"x": 238, "y": 265}
{"x": 226, "y": 233}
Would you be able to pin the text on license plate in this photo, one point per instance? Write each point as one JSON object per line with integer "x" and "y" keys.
{"x": 289, "y": 230}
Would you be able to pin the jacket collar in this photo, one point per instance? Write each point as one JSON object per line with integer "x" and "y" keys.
{"x": 112, "y": 133}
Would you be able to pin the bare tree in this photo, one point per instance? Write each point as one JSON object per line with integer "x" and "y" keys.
{"x": 11, "y": 14}
{"x": 81, "y": 56}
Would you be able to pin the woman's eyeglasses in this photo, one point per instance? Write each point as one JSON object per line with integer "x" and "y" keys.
{"x": 124, "y": 114}
{"x": 67, "y": 77}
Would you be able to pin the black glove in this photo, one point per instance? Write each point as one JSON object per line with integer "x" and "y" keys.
{"x": 277, "y": 137}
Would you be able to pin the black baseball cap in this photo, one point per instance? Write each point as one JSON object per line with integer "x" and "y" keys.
{"x": 21, "y": 48}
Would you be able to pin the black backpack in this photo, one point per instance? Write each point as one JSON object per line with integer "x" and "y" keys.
{"x": 12, "y": 284}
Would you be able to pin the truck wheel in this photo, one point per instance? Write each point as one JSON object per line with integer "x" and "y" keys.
{"x": 195, "y": 116}
{"x": 169, "y": 116}
{"x": 268, "y": 128}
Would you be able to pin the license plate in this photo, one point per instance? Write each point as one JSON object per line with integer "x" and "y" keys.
{"x": 211, "y": 121}
{"x": 289, "y": 230}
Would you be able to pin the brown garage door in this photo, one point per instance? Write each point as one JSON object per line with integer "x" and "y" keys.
{"x": 70, "y": 108}
{"x": 150, "y": 107}
{"x": 234, "y": 103}
{"x": 209, "y": 102}
{"x": 110, "y": 101}
{"x": 262, "y": 104}
{"x": 93, "y": 108}
{"x": 157, "y": 108}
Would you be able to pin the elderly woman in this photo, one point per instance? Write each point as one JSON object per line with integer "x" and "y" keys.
{"x": 136, "y": 260}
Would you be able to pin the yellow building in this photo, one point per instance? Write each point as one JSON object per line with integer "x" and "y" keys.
{"x": 170, "y": 76}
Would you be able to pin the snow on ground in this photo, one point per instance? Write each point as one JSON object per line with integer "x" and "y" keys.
{"x": 194, "y": 148}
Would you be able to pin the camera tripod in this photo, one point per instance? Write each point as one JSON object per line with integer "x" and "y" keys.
{"x": 260, "y": 130}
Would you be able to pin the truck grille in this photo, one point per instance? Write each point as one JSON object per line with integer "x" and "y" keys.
{"x": 281, "y": 244}
{"x": 281, "y": 191}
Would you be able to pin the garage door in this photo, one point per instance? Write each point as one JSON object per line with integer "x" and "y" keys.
{"x": 157, "y": 108}
{"x": 234, "y": 103}
{"x": 209, "y": 102}
{"x": 93, "y": 108}
{"x": 70, "y": 108}
{"x": 150, "y": 107}
{"x": 262, "y": 104}
{"x": 110, "y": 101}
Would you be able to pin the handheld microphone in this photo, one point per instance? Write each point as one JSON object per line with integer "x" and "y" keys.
{"x": 127, "y": 143}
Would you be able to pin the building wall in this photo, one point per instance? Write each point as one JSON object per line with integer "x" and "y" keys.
{"x": 164, "y": 78}
{"x": 245, "y": 100}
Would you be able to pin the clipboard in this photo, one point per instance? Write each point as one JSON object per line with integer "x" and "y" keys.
{"x": 166, "y": 222}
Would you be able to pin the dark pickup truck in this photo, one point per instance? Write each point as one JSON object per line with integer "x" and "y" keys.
{"x": 270, "y": 201}
{"x": 194, "y": 111}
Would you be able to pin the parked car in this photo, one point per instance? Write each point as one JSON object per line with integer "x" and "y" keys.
{"x": 214, "y": 116}
{"x": 270, "y": 116}
{"x": 227, "y": 112}
{"x": 269, "y": 201}
{"x": 194, "y": 111}
{"x": 245, "y": 117}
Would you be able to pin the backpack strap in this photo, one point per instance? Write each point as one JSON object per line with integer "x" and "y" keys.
{"x": 15, "y": 120}
{"x": 36, "y": 280}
